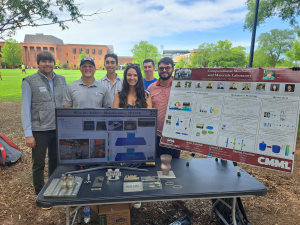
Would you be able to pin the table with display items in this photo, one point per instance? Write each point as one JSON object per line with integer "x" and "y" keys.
{"x": 203, "y": 179}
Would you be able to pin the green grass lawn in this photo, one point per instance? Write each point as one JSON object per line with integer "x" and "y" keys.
{"x": 10, "y": 87}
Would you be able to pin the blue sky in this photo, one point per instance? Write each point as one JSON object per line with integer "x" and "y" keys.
{"x": 176, "y": 24}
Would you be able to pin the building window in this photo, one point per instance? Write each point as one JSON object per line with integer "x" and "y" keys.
{"x": 60, "y": 50}
{"x": 67, "y": 53}
{"x": 74, "y": 50}
{"x": 87, "y": 51}
{"x": 0, "y": 48}
{"x": 100, "y": 51}
{"x": 107, "y": 52}
{"x": 93, "y": 58}
{"x": 100, "y": 58}
{"x": 93, "y": 51}
{"x": 80, "y": 50}
{"x": 61, "y": 57}
{"x": 74, "y": 57}
{"x": 67, "y": 61}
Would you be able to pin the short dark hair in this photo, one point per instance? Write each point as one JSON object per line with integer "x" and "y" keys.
{"x": 113, "y": 56}
{"x": 166, "y": 60}
{"x": 149, "y": 60}
{"x": 45, "y": 55}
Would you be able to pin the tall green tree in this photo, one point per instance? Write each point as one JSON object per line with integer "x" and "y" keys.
{"x": 223, "y": 54}
{"x": 100, "y": 64}
{"x": 143, "y": 51}
{"x": 181, "y": 63}
{"x": 294, "y": 52}
{"x": 16, "y": 14}
{"x": 64, "y": 65}
{"x": 275, "y": 43}
{"x": 12, "y": 52}
{"x": 57, "y": 64}
{"x": 287, "y": 10}
{"x": 201, "y": 57}
{"x": 81, "y": 56}
{"x": 71, "y": 65}
{"x": 261, "y": 59}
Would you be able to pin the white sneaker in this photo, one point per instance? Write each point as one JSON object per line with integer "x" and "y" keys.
{"x": 137, "y": 205}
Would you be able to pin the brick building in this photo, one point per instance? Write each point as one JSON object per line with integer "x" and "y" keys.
{"x": 33, "y": 44}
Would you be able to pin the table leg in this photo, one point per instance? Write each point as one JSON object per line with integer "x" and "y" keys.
{"x": 67, "y": 215}
{"x": 233, "y": 210}
{"x": 213, "y": 210}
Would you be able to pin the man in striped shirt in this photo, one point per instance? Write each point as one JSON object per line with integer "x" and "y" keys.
{"x": 160, "y": 93}
{"x": 112, "y": 81}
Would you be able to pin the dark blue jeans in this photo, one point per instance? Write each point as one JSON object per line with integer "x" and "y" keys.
{"x": 44, "y": 140}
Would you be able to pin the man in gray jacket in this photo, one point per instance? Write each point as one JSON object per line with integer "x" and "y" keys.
{"x": 42, "y": 92}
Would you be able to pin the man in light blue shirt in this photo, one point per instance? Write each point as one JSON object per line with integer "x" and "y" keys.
{"x": 149, "y": 67}
{"x": 42, "y": 92}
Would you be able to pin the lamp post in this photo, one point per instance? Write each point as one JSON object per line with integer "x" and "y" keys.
{"x": 253, "y": 34}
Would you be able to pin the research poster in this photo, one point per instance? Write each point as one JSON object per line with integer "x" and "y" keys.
{"x": 244, "y": 115}
{"x": 105, "y": 135}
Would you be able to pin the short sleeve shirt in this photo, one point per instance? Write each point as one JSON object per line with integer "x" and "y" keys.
{"x": 160, "y": 98}
{"x": 113, "y": 89}
{"x": 79, "y": 95}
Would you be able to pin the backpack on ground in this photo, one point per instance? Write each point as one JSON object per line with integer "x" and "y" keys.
{"x": 9, "y": 152}
{"x": 222, "y": 209}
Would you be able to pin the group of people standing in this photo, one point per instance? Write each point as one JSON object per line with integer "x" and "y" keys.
{"x": 45, "y": 90}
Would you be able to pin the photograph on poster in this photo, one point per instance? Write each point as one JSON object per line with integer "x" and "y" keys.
{"x": 178, "y": 84}
{"x": 246, "y": 86}
{"x": 101, "y": 125}
{"x": 289, "y": 88}
{"x": 269, "y": 75}
{"x": 88, "y": 125}
{"x": 188, "y": 84}
{"x": 115, "y": 125}
{"x": 97, "y": 148}
{"x": 233, "y": 86}
{"x": 209, "y": 85}
{"x": 198, "y": 85}
{"x": 260, "y": 87}
{"x": 221, "y": 85}
{"x": 71, "y": 149}
{"x": 274, "y": 87}
{"x": 183, "y": 73}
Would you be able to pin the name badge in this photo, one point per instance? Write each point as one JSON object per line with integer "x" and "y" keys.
{"x": 43, "y": 89}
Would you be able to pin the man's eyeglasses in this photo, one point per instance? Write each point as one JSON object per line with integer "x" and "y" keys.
{"x": 167, "y": 68}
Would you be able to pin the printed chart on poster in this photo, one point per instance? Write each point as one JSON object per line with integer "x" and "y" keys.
{"x": 244, "y": 115}
{"x": 106, "y": 135}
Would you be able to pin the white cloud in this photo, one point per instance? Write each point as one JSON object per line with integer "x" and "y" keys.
{"x": 131, "y": 21}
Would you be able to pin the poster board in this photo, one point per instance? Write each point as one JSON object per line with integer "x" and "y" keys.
{"x": 102, "y": 136}
{"x": 246, "y": 115}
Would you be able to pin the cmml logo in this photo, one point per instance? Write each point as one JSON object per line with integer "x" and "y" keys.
{"x": 170, "y": 140}
{"x": 274, "y": 163}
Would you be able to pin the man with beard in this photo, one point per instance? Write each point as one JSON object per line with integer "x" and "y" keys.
{"x": 160, "y": 93}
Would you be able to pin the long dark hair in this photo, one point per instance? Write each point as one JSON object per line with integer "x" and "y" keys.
{"x": 139, "y": 88}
